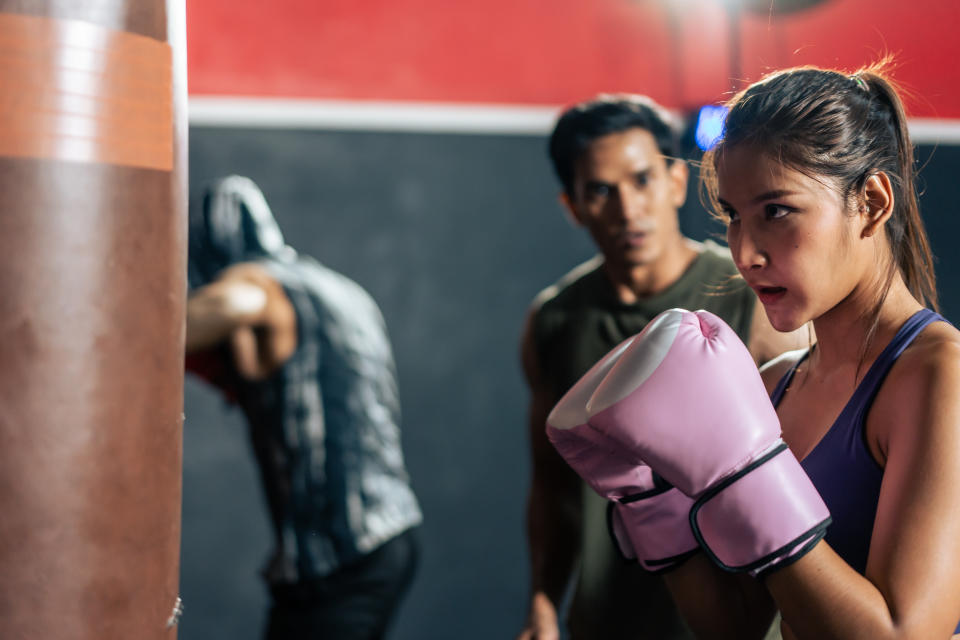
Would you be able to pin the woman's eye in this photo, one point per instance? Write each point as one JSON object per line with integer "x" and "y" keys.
{"x": 775, "y": 211}
{"x": 730, "y": 215}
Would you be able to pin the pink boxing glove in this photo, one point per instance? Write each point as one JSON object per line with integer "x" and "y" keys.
{"x": 686, "y": 398}
{"x": 648, "y": 521}
{"x": 653, "y": 526}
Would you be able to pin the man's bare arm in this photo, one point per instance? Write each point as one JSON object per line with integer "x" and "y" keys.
{"x": 219, "y": 308}
{"x": 554, "y": 507}
{"x": 248, "y": 310}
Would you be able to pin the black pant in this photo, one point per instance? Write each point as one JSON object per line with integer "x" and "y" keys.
{"x": 356, "y": 602}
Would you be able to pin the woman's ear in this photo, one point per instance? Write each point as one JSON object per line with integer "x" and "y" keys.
{"x": 875, "y": 203}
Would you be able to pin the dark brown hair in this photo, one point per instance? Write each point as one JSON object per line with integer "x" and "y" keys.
{"x": 842, "y": 128}
{"x": 581, "y": 124}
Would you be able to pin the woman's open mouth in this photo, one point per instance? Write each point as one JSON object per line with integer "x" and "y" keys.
{"x": 769, "y": 295}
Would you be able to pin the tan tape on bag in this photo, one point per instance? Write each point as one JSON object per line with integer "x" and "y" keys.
{"x": 76, "y": 91}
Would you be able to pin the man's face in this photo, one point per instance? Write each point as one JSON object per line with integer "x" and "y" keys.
{"x": 627, "y": 197}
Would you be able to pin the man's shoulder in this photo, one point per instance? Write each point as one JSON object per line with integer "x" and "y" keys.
{"x": 718, "y": 258}
{"x": 713, "y": 283}
{"x": 573, "y": 289}
{"x": 715, "y": 272}
{"x": 554, "y": 307}
{"x": 772, "y": 371}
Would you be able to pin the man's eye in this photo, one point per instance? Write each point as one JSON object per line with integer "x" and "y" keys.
{"x": 643, "y": 179}
{"x": 598, "y": 190}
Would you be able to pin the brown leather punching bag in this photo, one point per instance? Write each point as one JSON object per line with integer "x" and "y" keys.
{"x": 92, "y": 289}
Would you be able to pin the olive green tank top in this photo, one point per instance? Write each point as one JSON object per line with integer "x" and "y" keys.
{"x": 580, "y": 317}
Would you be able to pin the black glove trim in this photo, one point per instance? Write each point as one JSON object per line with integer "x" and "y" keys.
{"x": 812, "y": 535}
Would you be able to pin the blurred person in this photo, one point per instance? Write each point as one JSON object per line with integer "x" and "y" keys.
{"x": 303, "y": 351}
{"x": 617, "y": 159}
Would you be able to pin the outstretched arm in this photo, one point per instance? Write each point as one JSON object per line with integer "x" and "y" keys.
{"x": 248, "y": 310}
{"x": 218, "y": 309}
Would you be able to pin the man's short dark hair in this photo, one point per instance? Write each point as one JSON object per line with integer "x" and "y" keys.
{"x": 583, "y": 123}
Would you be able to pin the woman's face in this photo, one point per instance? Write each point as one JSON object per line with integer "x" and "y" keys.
{"x": 791, "y": 236}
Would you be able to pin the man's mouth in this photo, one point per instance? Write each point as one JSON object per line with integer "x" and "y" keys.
{"x": 635, "y": 238}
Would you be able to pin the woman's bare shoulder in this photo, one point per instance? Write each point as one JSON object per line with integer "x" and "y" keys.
{"x": 933, "y": 353}
{"x": 920, "y": 393}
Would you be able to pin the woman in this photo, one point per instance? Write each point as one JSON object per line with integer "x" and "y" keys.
{"x": 815, "y": 179}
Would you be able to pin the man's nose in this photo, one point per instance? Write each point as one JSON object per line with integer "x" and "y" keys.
{"x": 629, "y": 202}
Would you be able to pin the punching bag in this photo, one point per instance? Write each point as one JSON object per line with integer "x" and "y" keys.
{"x": 92, "y": 293}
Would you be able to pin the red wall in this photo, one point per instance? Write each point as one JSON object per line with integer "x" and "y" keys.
{"x": 551, "y": 51}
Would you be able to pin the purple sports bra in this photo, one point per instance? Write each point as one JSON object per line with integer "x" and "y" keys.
{"x": 841, "y": 466}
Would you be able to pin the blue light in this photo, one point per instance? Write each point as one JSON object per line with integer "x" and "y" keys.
{"x": 710, "y": 125}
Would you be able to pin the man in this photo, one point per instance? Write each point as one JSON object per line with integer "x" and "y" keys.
{"x": 617, "y": 159}
{"x": 304, "y": 352}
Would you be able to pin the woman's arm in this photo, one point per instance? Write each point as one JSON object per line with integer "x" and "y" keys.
{"x": 718, "y": 605}
{"x": 912, "y": 583}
